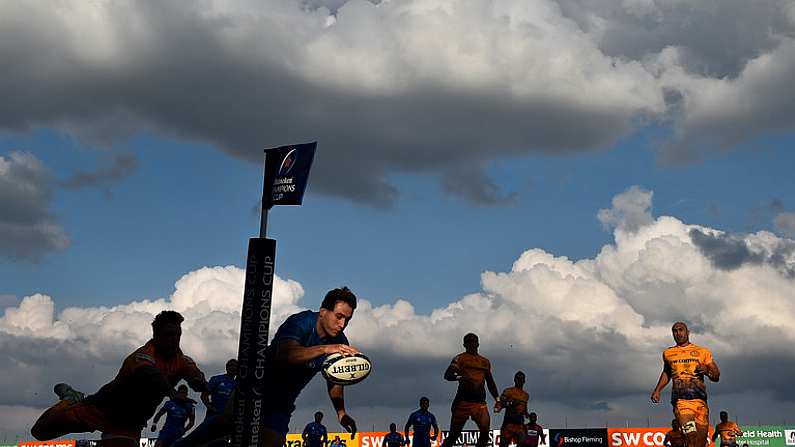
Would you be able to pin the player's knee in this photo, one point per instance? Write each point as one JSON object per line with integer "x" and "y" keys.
{"x": 40, "y": 431}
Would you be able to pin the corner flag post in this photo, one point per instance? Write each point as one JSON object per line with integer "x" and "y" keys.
{"x": 286, "y": 175}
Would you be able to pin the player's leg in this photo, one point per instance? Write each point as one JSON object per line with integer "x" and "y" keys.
{"x": 480, "y": 414}
{"x": 685, "y": 413}
{"x": 208, "y": 431}
{"x": 702, "y": 423}
{"x": 505, "y": 439}
{"x": 61, "y": 419}
{"x": 457, "y": 421}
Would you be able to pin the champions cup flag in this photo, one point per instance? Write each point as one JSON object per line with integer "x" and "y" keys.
{"x": 286, "y": 174}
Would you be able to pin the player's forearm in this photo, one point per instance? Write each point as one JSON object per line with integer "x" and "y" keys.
{"x": 298, "y": 355}
{"x": 664, "y": 379}
{"x": 337, "y": 395}
{"x": 451, "y": 374}
{"x": 713, "y": 372}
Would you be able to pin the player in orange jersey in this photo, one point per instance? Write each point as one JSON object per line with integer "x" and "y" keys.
{"x": 674, "y": 437}
{"x": 472, "y": 371}
{"x": 686, "y": 364}
{"x": 121, "y": 408}
{"x": 514, "y": 400}
{"x": 727, "y": 430}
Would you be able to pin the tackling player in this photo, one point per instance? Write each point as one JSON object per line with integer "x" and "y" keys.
{"x": 686, "y": 365}
{"x": 533, "y": 432}
{"x": 422, "y": 420}
{"x": 177, "y": 411}
{"x": 121, "y": 408}
{"x": 393, "y": 438}
{"x": 727, "y": 430}
{"x": 674, "y": 437}
{"x": 295, "y": 355}
{"x": 472, "y": 371}
{"x": 514, "y": 400}
{"x": 315, "y": 433}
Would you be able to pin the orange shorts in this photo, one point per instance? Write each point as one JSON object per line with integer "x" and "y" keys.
{"x": 478, "y": 411}
{"x": 692, "y": 410}
{"x": 513, "y": 433}
{"x": 69, "y": 417}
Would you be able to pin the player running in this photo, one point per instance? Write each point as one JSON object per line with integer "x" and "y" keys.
{"x": 514, "y": 400}
{"x": 533, "y": 432}
{"x": 422, "y": 421}
{"x": 686, "y": 365}
{"x": 121, "y": 408}
{"x": 295, "y": 355}
{"x": 219, "y": 389}
{"x": 315, "y": 433}
{"x": 727, "y": 430}
{"x": 674, "y": 437}
{"x": 178, "y": 411}
{"x": 393, "y": 438}
{"x": 472, "y": 371}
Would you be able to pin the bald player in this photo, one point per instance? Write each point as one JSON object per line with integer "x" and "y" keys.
{"x": 472, "y": 371}
{"x": 686, "y": 364}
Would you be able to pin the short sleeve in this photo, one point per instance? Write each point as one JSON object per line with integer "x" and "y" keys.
{"x": 294, "y": 328}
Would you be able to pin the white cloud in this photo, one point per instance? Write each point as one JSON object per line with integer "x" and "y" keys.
{"x": 589, "y": 332}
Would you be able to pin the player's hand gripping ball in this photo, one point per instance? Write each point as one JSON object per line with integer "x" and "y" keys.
{"x": 346, "y": 369}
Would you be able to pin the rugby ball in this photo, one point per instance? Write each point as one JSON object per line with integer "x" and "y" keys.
{"x": 346, "y": 369}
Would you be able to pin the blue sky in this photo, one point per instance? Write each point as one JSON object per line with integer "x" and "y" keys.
{"x": 188, "y": 205}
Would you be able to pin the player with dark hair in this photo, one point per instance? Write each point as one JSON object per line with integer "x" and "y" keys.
{"x": 674, "y": 437}
{"x": 533, "y": 432}
{"x": 727, "y": 430}
{"x": 315, "y": 433}
{"x": 514, "y": 399}
{"x": 178, "y": 411}
{"x": 295, "y": 355}
{"x": 121, "y": 408}
{"x": 393, "y": 438}
{"x": 686, "y": 364}
{"x": 422, "y": 421}
{"x": 472, "y": 371}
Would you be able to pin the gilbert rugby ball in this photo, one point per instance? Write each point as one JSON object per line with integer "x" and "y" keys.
{"x": 346, "y": 369}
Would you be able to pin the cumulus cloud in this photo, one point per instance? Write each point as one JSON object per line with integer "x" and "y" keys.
{"x": 588, "y": 332}
{"x": 631, "y": 210}
{"x": 404, "y": 86}
{"x": 28, "y": 229}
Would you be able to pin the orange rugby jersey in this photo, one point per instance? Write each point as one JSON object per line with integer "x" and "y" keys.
{"x": 473, "y": 368}
{"x": 680, "y": 363}
{"x": 728, "y": 431}
{"x": 517, "y": 404}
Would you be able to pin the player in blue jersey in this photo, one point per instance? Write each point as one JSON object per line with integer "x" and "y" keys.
{"x": 315, "y": 433}
{"x": 219, "y": 388}
{"x": 422, "y": 420}
{"x": 178, "y": 411}
{"x": 393, "y": 438}
{"x": 295, "y": 355}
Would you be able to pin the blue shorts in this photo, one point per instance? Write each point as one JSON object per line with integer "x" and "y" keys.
{"x": 168, "y": 437}
{"x": 420, "y": 442}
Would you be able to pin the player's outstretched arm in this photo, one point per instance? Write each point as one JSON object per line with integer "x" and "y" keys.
{"x": 661, "y": 383}
{"x": 337, "y": 395}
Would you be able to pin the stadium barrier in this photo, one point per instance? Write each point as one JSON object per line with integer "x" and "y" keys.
{"x": 755, "y": 436}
